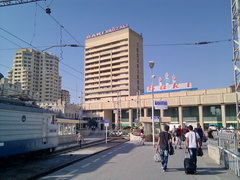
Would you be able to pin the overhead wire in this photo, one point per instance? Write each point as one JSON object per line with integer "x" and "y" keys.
{"x": 49, "y": 3}
{"x": 60, "y": 25}
{"x": 163, "y": 44}
{"x": 31, "y": 46}
{"x": 189, "y": 44}
{"x": 34, "y": 24}
{"x": 10, "y": 41}
{"x": 35, "y": 48}
{"x": 3, "y": 65}
{"x": 20, "y": 39}
{"x": 70, "y": 74}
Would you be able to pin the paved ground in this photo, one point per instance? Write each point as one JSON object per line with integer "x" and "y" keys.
{"x": 87, "y": 139}
{"x": 131, "y": 161}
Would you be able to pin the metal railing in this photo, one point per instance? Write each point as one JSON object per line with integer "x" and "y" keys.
{"x": 230, "y": 161}
{"x": 227, "y": 142}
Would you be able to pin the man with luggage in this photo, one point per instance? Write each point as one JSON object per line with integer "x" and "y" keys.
{"x": 192, "y": 143}
{"x": 164, "y": 141}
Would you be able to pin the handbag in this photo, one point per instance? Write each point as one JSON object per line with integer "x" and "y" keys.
{"x": 171, "y": 149}
{"x": 204, "y": 139}
{"x": 199, "y": 152}
{"x": 157, "y": 157}
{"x": 199, "y": 149}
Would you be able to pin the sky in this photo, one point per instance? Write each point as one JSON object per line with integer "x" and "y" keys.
{"x": 160, "y": 22}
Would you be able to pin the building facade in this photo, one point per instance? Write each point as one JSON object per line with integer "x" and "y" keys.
{"x": 9, "y": 90}
{"x": 206, "y": 107}
{"x": 38, "y": 72}
{"x": 113, "y": 64}
{"x": 65, "y": 96}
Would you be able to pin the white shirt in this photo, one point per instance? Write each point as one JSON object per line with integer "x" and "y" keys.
{"x": 192, "y": 139}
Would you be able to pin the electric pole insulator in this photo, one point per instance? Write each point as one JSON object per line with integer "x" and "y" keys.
{"x": 48, "y": 10}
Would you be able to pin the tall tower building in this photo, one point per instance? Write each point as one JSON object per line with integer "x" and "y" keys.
{"x": 113, "y": 64}
{"x": 38, "y": 72}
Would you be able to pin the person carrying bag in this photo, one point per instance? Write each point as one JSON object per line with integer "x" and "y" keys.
{"x": 164, "y": 140}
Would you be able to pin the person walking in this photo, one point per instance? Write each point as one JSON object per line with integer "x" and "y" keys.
{"x": 192, "y": 143}
{"x": 142, "y": 136}
{"x": 164, "y": 141}
{"x": 80, "y": 139}
{"x": 200, "y": 132}
{"x": 173, "y": 133}
{"x": 179, "y": 134}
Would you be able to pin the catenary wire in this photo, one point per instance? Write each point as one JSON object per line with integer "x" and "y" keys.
{"x": 60, "y": 25}
{"x": 34, "y": 24}
{"x": 35, "y": 48}
{"x": 189, "y": 44}
{"x": 6, "y": 31}
{"x": 10, "y": 41}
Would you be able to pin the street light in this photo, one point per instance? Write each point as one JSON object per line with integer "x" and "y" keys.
{"x": 63, "y": 45}
{"x": 151, "y": 65}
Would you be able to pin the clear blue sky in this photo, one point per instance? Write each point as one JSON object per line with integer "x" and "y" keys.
{"x": 159, "y": 21}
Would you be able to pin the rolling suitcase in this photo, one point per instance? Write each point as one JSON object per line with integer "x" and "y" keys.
{"x": 189, "y": 165}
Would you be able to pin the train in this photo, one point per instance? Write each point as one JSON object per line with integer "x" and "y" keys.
{"x": 26, "y": 128}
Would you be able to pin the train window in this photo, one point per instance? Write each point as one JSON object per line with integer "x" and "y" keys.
{"x": 24, "y": 118}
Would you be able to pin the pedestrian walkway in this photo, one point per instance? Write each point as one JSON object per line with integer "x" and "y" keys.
{"x": 87, "y": 140}
{"x": 131, "y": 161}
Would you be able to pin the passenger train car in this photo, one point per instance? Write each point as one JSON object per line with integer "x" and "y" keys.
{"x": 25, "y": 128}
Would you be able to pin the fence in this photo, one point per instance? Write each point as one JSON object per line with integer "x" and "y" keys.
{"x": 227, "y": 143}
{"x": 230, "y": 161}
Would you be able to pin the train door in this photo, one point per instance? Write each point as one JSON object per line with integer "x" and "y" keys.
{"x": 45, "y": 129}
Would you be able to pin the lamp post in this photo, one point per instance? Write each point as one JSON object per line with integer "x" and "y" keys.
{"x": 151, "y": 65}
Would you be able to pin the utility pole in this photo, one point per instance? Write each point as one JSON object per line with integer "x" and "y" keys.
{"x": 236, "y": 59}
{"x": 119, "y": 110}
{"x": 138, "y": 105}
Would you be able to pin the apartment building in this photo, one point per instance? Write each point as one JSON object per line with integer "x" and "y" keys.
{"x": 65, "y": 96}
{"x": 113, "y": 64}
{"x": 37, "y": 71}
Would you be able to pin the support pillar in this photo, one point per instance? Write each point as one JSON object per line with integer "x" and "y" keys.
{"x": 180, "y": 115}
{"x": 161, "y": 115}
{"x": 130, "y": 117}
{"x": 145, "y": 112}
{"x": 223, "y": 113}
{"x": 116, "y": 119}
{"x": 200, "y": 112}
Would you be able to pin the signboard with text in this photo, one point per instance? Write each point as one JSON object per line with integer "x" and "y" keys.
{"x": 106, "y": 123}
{"x": 160, "y": 104}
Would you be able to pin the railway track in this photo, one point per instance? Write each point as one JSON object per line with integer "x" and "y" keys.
{"x": 40, "y": 166}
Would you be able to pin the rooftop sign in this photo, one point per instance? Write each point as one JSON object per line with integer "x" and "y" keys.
{"x": 169, "y": 87}
{"x": 107, "y": 31}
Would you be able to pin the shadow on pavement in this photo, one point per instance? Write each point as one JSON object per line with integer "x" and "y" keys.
{"x": 202, "y": 171}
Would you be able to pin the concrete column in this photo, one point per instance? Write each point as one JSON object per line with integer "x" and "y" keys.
{"x": 130, "y": 117}
{"x": 200, "y": 112}
{"x": 108, "y": 116}
{"x": 223, "y": 112}
{"x": 161, "y": 115}
{"x": 145, "y": 112}
{"x": 180, "y": 115}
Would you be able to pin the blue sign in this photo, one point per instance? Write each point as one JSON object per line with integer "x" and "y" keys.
{"x": 105, "y": 121}
{"x": 156, "y": 119}
{"x": 160, "y": 104}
